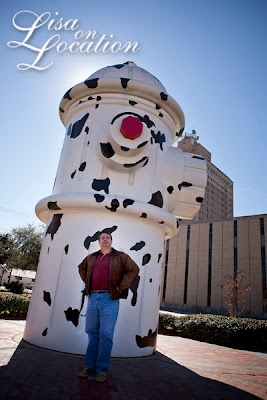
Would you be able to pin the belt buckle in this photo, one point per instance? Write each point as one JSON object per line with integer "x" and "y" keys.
{"x": 101, "y": 291}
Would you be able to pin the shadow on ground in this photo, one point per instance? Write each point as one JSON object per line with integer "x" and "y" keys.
{"x": 35, "y": 373}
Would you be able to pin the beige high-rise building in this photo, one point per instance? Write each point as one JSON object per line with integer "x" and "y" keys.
{"x": 202, "y": 255}
{"x": 213, "y": 247}
{"x": 218, "y": 200}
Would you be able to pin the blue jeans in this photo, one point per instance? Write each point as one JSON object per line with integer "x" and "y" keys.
{"x": 101, "y": 317}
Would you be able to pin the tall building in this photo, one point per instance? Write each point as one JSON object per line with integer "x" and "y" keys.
{"x": 218, "y": 200}
{"x": 201, "y": 257}
{"x": 213, "y": 247}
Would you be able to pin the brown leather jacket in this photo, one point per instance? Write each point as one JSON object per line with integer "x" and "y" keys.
{"x": 123, "y": 271}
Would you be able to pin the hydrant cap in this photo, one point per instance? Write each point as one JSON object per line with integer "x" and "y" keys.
{"x": 129, "y": 79}
{"x": 130, "y": 71}
{"x": 131, "y": 127}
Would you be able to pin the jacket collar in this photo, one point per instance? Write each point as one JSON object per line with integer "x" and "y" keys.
{"x": 113, "y": 252}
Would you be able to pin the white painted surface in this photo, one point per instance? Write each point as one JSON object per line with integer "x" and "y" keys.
{"x": 84, "y": 214}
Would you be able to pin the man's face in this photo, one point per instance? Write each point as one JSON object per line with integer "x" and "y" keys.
{"x": 105, "y": 241}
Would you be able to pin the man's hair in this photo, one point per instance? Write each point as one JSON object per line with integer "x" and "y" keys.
{"x": 105, "y": 231}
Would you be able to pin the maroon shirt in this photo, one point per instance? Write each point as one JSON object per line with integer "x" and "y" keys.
{"x": 100, "y": 272}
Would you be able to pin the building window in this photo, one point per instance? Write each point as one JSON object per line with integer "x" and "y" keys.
{"x": 19, "y": 278}
{"x": 235, "y": 249}
{"x": 263, "y": 265}
{"x": 210, "y": 263}
{"x": 166, "y": 270}
{"x": 186, "y": 263}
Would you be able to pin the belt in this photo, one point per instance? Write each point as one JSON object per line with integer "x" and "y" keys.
{"x": 100, "y": 291}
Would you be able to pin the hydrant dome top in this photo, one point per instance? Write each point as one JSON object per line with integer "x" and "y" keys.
{"x": 129, "y": 70}
{"x": 127, "y": 79}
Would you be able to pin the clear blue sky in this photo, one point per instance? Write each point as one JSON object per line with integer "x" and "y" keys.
{"x": 209, "y": 54}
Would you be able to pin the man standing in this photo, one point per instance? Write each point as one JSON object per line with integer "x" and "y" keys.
{"x": 107, "y": 274}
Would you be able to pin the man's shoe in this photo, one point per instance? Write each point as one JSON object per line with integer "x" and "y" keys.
{"x": 101, "y": 377}
{"x": 87, "y": 373}
{"x": 91, "y": 375}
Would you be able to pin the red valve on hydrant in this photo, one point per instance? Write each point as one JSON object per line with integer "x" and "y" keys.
{"x": 131, "y": 128}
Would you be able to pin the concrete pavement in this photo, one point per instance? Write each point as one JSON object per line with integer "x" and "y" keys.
{"x": 181, "y": 369}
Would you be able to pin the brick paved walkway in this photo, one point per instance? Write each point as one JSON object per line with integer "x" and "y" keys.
{"x": 181, "y": 369}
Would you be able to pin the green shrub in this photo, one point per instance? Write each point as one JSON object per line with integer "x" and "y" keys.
{"x": 13, "y": 306}
{"x": 239, "y": 333}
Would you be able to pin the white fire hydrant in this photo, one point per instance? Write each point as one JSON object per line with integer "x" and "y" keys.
{"x": 118, "y": 170}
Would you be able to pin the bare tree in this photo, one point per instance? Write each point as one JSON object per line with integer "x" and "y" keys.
{"x": 234, "y": 291}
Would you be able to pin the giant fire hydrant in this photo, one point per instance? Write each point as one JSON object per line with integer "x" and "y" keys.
{"x": 117, "y": 171}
